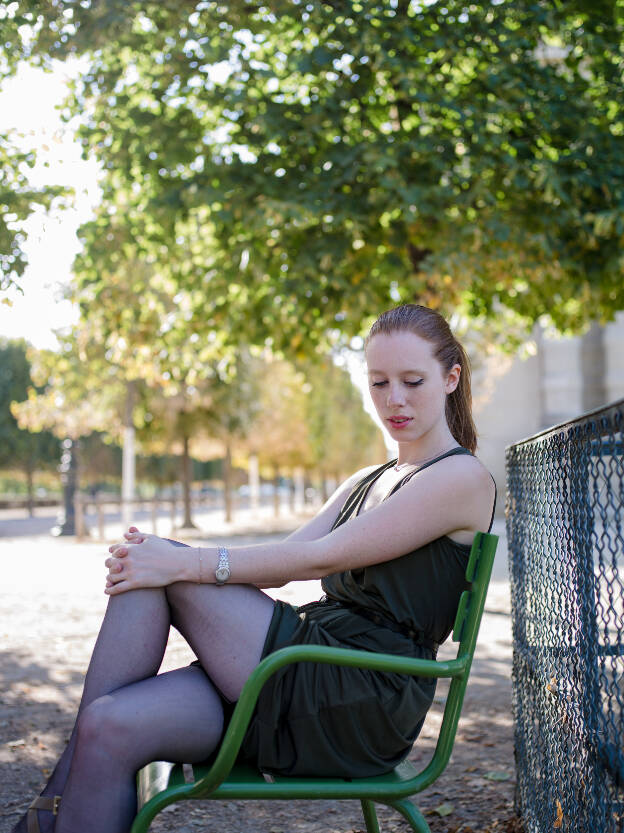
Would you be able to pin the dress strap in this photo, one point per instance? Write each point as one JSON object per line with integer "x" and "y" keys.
{"x": 459, "y": 449}
{"x": 358, "y": 494}
{"x": 452, "y": 453}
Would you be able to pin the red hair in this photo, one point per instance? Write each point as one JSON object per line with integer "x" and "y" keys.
{"x": 432, "y": 327}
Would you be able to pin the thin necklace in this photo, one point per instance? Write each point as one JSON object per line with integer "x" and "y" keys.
{"x": 398, "y": 466}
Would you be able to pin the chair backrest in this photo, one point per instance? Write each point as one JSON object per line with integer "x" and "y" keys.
{"x": 467, "y": 622}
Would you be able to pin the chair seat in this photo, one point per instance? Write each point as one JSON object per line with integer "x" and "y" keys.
{"x": 244, "y": 781}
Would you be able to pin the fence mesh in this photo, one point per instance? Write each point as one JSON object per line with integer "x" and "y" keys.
{"x": 565, "y": 495}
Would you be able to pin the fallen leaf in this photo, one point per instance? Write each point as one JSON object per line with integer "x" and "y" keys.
{"x": 13, "y": 744}
{"x": 444, "y": 809}
{"x": 552, "y": 685}
{"x": 559, "y": 820}
{"x": 497, "y": 775}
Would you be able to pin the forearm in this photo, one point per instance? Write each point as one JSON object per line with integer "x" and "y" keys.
{"x": 264, "y": 565}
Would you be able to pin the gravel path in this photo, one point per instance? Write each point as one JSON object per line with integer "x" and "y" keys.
{"x": 51, "y": 604}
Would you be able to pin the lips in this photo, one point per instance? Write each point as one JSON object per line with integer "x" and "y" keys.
{"x": 399, "y": 420}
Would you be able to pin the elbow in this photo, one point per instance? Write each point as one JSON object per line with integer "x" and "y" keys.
{"x": 323, "y": 561}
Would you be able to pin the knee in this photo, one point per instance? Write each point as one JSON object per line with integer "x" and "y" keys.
{"x": 103, "y": 729}
{"x": 181, "y": 595}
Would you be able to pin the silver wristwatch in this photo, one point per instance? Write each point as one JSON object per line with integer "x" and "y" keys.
{"x": 222, "y": 573}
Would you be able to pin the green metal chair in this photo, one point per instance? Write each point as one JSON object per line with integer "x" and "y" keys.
{"x": 161, "y": 783}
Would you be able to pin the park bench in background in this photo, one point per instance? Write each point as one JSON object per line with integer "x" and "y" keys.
{"x": 161, "y": 783}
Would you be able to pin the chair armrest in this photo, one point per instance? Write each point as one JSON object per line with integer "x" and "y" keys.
{"x": 310, "y": 653}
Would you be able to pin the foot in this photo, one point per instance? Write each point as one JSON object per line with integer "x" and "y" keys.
{"x": 40, "y": 816}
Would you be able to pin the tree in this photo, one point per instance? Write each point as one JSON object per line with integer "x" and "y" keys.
{"x": 346, "y": 155}
{"x": 18, "y": 448}
{"x": 18, "y": 198}
{"x": 342, "y": 436}
{"x": 311, "y": 416}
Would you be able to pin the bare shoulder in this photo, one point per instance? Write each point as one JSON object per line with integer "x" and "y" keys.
{"x": 359, "y": 475}
{"x": 464, "y": 491}
{"x": 467, "y": 471}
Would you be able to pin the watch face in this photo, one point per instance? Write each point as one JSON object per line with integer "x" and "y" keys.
{"x": 222, "y": 574}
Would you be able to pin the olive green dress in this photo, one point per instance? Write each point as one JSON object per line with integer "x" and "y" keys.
{"x": 316, "y": 719}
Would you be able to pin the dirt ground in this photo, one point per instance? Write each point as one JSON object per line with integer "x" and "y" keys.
{"x": 51, "y": 603}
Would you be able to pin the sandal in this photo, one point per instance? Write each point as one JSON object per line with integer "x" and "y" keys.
{"x": 44, "y": 802}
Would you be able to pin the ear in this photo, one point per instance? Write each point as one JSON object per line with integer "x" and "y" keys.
{"x": 452, "y": 379}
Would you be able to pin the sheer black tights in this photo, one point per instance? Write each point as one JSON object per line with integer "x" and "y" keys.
{"x": 130, "y": 715}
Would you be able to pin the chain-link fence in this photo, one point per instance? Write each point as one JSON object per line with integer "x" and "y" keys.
{"x": 565, "y": 496}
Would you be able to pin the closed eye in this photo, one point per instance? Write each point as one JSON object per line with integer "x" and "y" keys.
{"x": 409, "y": 384}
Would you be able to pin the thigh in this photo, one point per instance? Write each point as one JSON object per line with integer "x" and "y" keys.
{"x": 225, "y": 626}
{"x": 176, "y": 716}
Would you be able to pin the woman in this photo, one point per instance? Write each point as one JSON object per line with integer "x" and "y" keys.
{"x": 392, "y": 577}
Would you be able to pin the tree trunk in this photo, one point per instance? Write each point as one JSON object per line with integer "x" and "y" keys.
{"x": 292, "y": 494}
{"x": 30, "y": 487}
{"x": 128, "y": 460}
{"x": 254, "y": 484}
{"x": 299, "y": 489}
{"x": 227, "y": 482}
{"x": 187, "y": 477}
{"x": 276, "y": 495}
{"x": 324, "y": 492}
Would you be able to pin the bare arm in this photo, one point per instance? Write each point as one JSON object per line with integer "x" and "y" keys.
{"x": 454, "y": 496}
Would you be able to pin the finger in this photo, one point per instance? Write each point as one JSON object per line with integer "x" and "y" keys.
{"x": 134, "y": 537}
{"x": 116, "y": 589}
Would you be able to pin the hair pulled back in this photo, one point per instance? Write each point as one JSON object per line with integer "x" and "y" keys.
{"x": 432, "y": 327}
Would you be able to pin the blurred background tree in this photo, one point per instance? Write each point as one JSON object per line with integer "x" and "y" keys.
{"x": 274, "y": 176}
{"x": 19, "y": 449}
{"x": 341, "y": 156}
{"x": 18, "y": 198}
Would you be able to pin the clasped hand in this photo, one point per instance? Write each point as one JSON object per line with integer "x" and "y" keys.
{"x": 142, "y": 561}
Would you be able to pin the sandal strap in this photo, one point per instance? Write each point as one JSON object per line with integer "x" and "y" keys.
{"x": 44, "y": 802}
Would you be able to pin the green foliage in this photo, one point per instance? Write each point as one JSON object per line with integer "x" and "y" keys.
{"x": 319, "y": 162}
{"x": 18, "y": 199}
{"x": 20, "y": 448}
{"x": 342, "y": 435}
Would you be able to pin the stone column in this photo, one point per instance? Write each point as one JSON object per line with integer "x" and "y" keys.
{"x": 614, "y": 358}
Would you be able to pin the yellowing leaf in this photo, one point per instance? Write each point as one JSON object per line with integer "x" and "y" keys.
{"x": 559, "y": 820}
{"x": 552, "y": 685}
{"x": 444, "y": 810}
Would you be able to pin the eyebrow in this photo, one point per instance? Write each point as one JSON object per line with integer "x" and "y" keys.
{"x": 410, "y": 370}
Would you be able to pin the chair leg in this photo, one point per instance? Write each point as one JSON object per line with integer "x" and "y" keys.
{"x": 413, "y": 815}
{"x": 370, "y": 816}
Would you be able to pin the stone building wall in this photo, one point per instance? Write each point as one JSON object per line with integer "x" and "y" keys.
{"x": 514, "y": 397}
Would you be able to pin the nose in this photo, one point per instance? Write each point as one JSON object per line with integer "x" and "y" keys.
{"x": 396, "y": 395}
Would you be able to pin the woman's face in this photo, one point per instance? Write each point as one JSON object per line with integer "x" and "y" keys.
{"x": 408, "y": 385}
